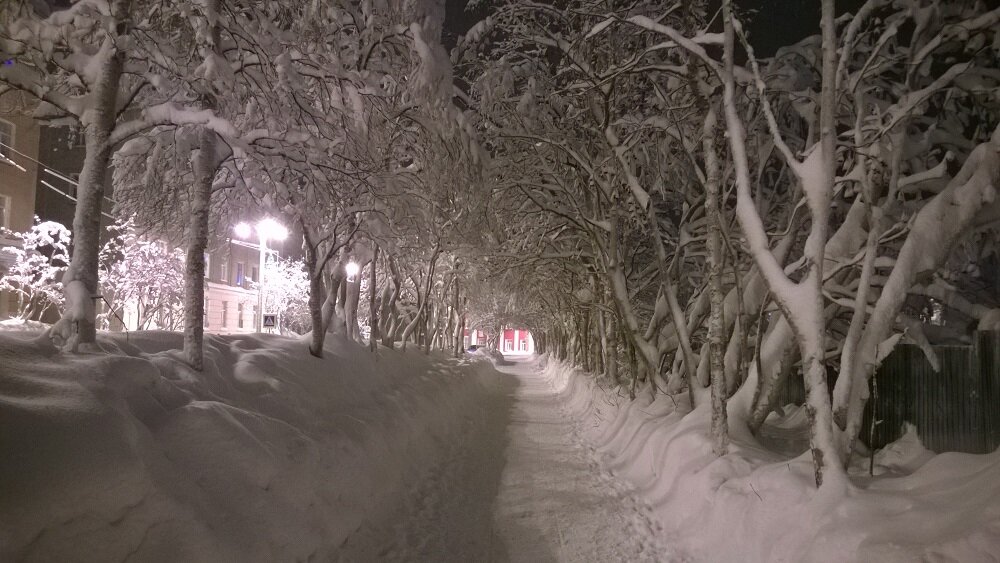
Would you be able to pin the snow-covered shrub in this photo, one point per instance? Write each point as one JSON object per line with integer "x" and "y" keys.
{"x": 142, "y": 275}
{"x": 286, "y": 292}
{"x": 492, "y": 354}
{"x": 35, "y": 278}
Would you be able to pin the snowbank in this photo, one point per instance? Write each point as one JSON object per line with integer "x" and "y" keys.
{"x": 270, "y": 454}
{"x": 759, "y": 505}
{"x": 492, "y": 355}
{"x": 19, "y": 324}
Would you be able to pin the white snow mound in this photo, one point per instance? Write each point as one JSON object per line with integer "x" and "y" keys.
{"x": 269, "y": 454}
{"x": 757, "y": 505}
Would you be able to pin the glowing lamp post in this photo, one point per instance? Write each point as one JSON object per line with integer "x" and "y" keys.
{"x": 266, "y": 229}
{"x": 352, "y": 269}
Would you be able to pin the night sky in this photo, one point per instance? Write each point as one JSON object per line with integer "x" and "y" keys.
{"x": 772, "y": 23}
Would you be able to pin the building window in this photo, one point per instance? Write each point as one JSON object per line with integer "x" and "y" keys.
{"x": 253, "y": 274}
{"x": 225, "y": 314}
{"x": 208, "y": 268}
{"x": 240, "y": 273}
{"x": 239, "y": 315}
{"x": 5, "y": 211}
{"x": 206, "y": 312}
{"x": 77, "y": 139}
{"x": 6, "y": 138}
{"x": 224, "y": 270}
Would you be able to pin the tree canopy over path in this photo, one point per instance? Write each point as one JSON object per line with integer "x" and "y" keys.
{"x": 628, "y": 180}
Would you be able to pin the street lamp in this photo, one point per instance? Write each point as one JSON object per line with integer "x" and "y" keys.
{"x": 266, "y": 229}
{"x": 352, "y": 269}
{"x": 243, "y": 230}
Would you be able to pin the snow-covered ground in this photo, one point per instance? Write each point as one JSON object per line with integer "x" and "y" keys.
{"x": 758, "y": 505}
{"x": 273, "y": 455}
{"x": 520, "y": 486}
{"x": 555, "y": 503}
{"x": 268, "y": 455}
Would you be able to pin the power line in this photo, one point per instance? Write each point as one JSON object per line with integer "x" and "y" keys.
{"x": 71, "y": 198}
{"x": 48, "y": 169}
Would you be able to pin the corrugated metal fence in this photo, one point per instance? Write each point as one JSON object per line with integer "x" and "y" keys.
{"x": 956, "y": 409}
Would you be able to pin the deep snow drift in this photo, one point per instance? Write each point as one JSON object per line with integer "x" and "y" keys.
{"x": 268, "y": 455}
{"x": 755, "y": 505}
{"x": 273, "y": 455}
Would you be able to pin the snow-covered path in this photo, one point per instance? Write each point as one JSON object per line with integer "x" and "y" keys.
{"x": 554, "y": 503}
{"x": 520, "y": 486}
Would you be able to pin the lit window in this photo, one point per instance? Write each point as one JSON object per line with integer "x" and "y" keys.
{"x": 225, "y": 313}
{"x": 208, "y": 265}
{"x": 240, "y": 273}
{"x": 224, "y": 270}
{"x": 5, "y": 211}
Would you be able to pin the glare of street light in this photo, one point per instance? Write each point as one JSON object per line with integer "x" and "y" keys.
{"x": 271, "y": 230}
{"x": 242, "y": 230}
{"x": 352, "y": 270}
{"x": 267, "y": 229}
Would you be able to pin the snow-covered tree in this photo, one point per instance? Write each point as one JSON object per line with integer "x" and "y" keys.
{"x": 286, "y": 290}
{"x": 607, "y": 118}
{"x": 35, "y": 276}
{"x": 143, "y": 275}
{"x": 91, "y": 64}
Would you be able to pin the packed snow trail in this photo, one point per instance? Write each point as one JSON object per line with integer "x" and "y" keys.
{"x": 521, "y": 487}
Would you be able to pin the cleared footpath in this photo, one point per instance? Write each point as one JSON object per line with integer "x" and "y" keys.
{"x": 520, "y": 486}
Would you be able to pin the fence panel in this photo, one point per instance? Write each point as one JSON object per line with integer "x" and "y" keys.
{"x": 889, "y": 399}
{"x": 947, "y": 408}
{"x": 956, "y": 409}
{"x": 989, "y": 362}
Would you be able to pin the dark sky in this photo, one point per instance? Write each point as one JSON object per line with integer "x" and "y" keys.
{"x": 776, "y": 23}
{"x": 772, "y": 23}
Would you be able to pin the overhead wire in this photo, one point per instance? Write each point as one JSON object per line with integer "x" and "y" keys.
{"x": 49, "y": 170}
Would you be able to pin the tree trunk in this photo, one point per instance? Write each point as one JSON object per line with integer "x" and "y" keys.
{"x": 317, "y": 293}
{"x": 206, "y": 163}
{"x": 619, "y": 291}
{"x": 84, "y": 262}
{"x": 970, "y": 199}
{"x": 720, "y": 429}
{"x": 802, "y": 302}
{"x": 390, "y": 316}
{"x": 422, "y": 296}
{"x": 372, "y": 308}
{"x": 459, "y": 334}
{"x": 352, "y": 298}
{"x": 612, "y": 360}
{"x": 197, "y": 245}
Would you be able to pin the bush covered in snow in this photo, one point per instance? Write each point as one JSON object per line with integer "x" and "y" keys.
{"x": 35, "y": 277}
{"x": 493, "y": 355}
{"x": 286, "y": 289}
{"x": 143, "y": 275}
